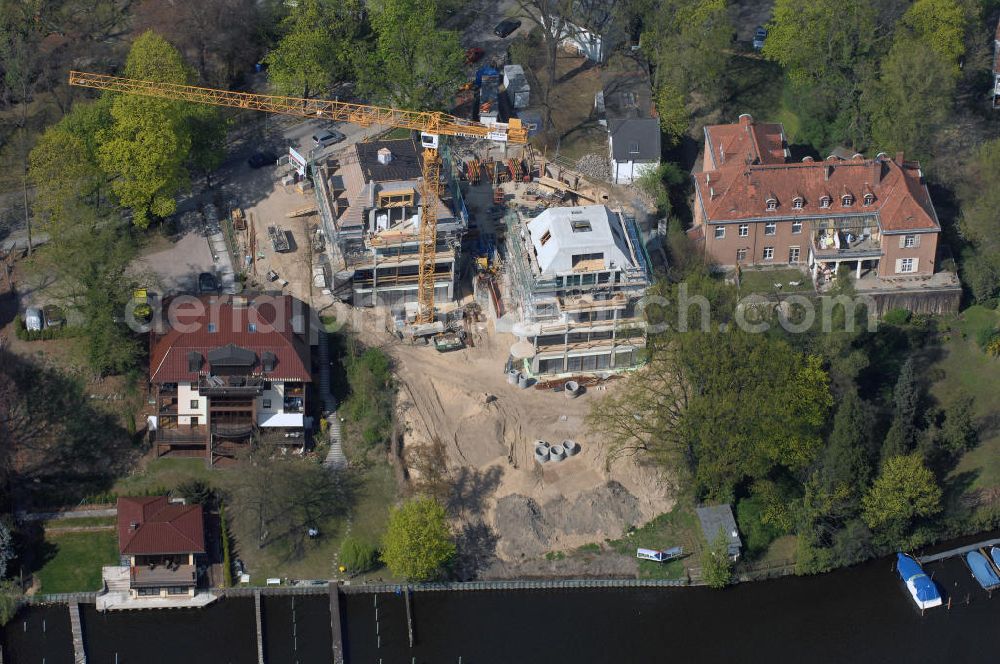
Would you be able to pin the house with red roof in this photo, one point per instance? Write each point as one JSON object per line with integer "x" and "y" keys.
{"x": 755, "y": 207}
{"x": 228, "y": 371}
{"x": 164, "y": 543}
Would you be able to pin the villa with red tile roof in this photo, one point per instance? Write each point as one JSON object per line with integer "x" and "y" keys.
{"x": 753, "y": 207}
{"x": 162, "y": 542}
{"x": 229, "y": 371}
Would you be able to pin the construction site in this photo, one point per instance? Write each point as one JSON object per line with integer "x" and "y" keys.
{"x": 505, "y": 286}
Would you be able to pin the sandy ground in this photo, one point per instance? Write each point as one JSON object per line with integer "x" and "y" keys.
{"x": 509, "y": 509}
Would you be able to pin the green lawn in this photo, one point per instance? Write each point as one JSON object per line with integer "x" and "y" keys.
{"x": 679, "y": 527}
{"x": 79, "y": 522}
{"x": 367, "y": 522}
{"x": 77, "y": 561}
{"x": 166, "y": 473}
{"x": 965, "y": 368}
{"x": 763, "y": 281}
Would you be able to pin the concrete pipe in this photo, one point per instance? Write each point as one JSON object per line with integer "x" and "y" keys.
{"x": 513, "y": 376}
{"x": 557, "y": 453}
{"x": 571, "y": 447}
{"x": 572, "y": 389}
{"x": 522, "y": 381}
{"x": 542, "y": 454}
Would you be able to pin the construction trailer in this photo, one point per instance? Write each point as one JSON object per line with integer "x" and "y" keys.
{"x": 370, "y": 204}
{"x": 575, "y": 277}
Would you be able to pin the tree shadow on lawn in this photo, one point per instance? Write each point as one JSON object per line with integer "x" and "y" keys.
{"x": 63, "y": 448}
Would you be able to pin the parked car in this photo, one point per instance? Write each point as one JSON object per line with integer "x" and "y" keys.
{"x": 759, "y": 36}
{"x": 53, "y": 316}
{"x": 327, "y": 137}
{"x": 33, "y": 320}
{"x": 506, "y": 27}
{"x": 207, "y": 283}
{"x": 262, "y": 159}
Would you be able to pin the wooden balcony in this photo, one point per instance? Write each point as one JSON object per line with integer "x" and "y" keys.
{"x": 146, "y": 576}
{"x": 220, "y": 386}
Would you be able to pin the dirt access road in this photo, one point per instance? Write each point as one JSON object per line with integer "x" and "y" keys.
{"x": 516, "y": 509}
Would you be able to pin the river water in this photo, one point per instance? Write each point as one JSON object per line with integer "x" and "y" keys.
{"x": 861, "y": 614}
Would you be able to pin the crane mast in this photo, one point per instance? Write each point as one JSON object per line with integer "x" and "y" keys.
{"x": 431, "y": 124}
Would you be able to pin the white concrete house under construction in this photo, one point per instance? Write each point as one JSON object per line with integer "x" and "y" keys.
{"x": 576, "y": 275}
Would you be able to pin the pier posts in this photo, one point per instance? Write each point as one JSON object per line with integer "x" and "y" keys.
{"x": 260, "y": 626}
{"x": 335, "y": 624}
{"x": 409, "y": 616}
{"x": 79, "y": 654}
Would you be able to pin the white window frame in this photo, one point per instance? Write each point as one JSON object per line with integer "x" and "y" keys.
{"x": 869, "y": 199}
{"x": 772, "y": 204}
{"x": 796, "y": 227}
{"x": 847, "y": 200}
{"x": 771, "y": 228}
{"x": 909, "y": 241}
{"x": 768, "y": 253}
{"x": 797, "y": 253}
{"x": 825, "y": 202}
{"x": 741, "y": 255}
{"x": 744, "y": 230}
{"x": 907, "y": 265}
{"x": 797, "y": 203}
{"x": 720, "y": 232}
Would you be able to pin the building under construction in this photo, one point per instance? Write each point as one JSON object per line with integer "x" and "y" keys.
{"x": 369, "y": 199}
{"x": 575, "y": 276}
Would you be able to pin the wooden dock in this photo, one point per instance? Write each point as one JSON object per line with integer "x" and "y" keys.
{"x": 335, "y": 624}
{"x": 260, "y": 626}
{"x": 409, "y": 616}
{"x": 79, "y": 654}
{"x": 960, "y": 551}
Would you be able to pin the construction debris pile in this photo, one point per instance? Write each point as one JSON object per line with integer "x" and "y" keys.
{"x": 594, "y": 166}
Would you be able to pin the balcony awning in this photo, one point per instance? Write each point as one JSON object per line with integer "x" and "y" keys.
{"x": 855, "y": 221}
{"x": 280, "y": 420}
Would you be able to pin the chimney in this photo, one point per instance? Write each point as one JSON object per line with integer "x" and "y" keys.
{"x": 899, "y": 158}
{"x": 711, "y": 193}
{"x": 746, "y": 119}
{"x": 384, "y": 156}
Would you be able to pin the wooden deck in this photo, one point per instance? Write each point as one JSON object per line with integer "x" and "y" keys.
{"x": 960, "y": 551}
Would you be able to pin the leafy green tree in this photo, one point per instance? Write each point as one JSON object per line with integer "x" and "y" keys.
{"x": 90, "y": 258}
{"x": 356, "y": 555}
{"x": 689, "y": 41}
{"x": 418, "y": 542}
{"x": 911, "y": 99}
{"x": 904, "y": 491}
{"x": 902, "y": 435}
{"x": 10, "y": 597}
{"x": 316, "y": 48}
{"x": 980, "y": 194}
{"x": 716, "y": 567}
{"x": 828, "y": 49}
{"x": 6, "y": 548}
{"x": 207, "y": 128}
{"x": 941, "y": 25}
{"x": 414, "y": 65}
{"x": 149, "y": 142}
{"x": 851, "y": 452}
{"x": 950, "y": 433}
{"x": 674, "y": 117}
{"x": 720, "y": 408}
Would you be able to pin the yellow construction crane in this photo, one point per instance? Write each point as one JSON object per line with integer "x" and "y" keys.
{"x": 430, "y": 124}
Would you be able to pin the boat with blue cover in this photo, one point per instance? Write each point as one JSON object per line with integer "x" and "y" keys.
{"x": 982, "y": 571}
{"x": 995, "y": 555}
{"x": 924, "y": 592}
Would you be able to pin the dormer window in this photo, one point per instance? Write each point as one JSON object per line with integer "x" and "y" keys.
{"x": 847, "y": 200}
{"x": 869, "y": 199}
{"x": 772, "y": 204}
{"x": 824, "y": 202}
{"x": 797, "y": 203}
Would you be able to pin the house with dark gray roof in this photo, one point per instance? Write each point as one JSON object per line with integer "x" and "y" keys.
{"x": 719, "y": 518}
{"x": 625, "y": 105}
